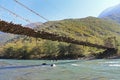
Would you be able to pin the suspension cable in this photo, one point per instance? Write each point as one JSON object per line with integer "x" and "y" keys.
{"x": 14, "y": 14}
{"x": 31, "y": 10}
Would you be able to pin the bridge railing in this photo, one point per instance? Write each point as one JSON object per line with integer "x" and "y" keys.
{"x": 20, "y": 30}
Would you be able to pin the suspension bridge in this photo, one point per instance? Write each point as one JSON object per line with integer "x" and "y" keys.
{"x": 20, "y": 30}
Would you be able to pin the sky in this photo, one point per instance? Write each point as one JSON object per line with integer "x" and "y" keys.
{"x": 54, "y": 9}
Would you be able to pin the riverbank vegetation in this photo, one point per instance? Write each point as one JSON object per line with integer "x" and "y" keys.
{"x": 45, "y": 49}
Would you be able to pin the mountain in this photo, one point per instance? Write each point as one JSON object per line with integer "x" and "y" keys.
{"x": 112, "y": 13}
{"x": 4, "y": 37}
{"x": 80, "y": 28}
{"x": 1, "y": 32}
{"x": 33, "y": 25}
{"x": 85, "y": 28}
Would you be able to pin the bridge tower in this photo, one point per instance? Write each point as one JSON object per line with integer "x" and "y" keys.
{"x": 111, "y": 42}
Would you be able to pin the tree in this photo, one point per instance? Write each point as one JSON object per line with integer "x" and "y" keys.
{"x": 63, "y": 50}
{"x": 75, "y": 51}
{"x": 36, "y": 52}
{"x": 51, "y": 49}
{"x": 8, "y": 52}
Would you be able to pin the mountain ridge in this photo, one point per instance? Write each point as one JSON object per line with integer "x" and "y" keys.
{"x": 112, "y": 13}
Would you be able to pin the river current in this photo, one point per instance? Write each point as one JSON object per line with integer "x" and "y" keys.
{"x": 65, "y": 70}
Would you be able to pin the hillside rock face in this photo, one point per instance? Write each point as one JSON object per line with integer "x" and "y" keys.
{"x": 112, "y": 13}
{"x": 4, "y": 37}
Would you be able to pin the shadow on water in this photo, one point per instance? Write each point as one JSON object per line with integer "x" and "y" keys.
{"x": 17, "y": 67}
{"x": 40, "y": 65}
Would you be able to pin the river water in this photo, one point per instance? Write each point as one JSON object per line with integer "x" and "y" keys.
{"x": 64, "y": 70}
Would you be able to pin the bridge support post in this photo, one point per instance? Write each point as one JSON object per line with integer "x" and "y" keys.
{"x": 107, "y": 53}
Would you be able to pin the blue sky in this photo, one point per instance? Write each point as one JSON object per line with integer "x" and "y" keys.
{"x": 54, "y": 9}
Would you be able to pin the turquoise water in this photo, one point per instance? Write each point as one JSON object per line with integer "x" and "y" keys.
{"x": 64, "y": 70}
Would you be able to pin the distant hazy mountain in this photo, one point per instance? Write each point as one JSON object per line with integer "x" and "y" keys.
{"x": 4, "y": 37}
{"x": 33, "y": 25}
{"x": 1, "y": 32}
{"x": 112, "y": 13}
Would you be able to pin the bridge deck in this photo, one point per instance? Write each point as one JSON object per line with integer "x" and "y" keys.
{"x": 20, "y": 30}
